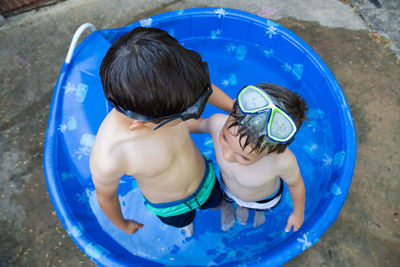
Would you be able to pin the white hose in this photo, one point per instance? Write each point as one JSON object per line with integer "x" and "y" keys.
{"x": 75, "y": 39}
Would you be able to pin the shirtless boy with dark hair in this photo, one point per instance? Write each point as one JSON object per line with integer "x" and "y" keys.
{"x": 154, "y": 84}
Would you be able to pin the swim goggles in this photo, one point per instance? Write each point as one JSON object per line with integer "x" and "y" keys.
{"x": 263, "y": 116}
{"x": 192, "y": 112}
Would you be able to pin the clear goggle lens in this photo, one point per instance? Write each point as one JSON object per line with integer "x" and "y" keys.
{"x": 280, "y": 127}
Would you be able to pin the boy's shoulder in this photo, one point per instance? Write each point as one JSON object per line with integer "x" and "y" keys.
{"x": 287, "y": 166}
{"x": 108, "y": 136}
{"x": 107, "y": 151}
{"x": 216, "y": 121}
{"x": 104, "y": 164}
{"x": 286, "y": 163}
{"x": 283, "y": 160}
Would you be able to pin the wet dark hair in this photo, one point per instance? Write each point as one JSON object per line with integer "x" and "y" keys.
{"x": 291, "y": 102}
{"x": 147, "y": 71}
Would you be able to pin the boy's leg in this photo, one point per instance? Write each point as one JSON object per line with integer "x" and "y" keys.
{"x": 215, "y": 199}
{"x": 179, "y": 221}
{"x": 259, "y": 218}
{"x": 188, "y": 230}
{"x": 184, "y": 221}
{"x": 242, "y": 215}
{"x": 227, "y": 215}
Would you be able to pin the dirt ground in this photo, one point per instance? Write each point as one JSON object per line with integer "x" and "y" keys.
{"x": 366, "y": 233}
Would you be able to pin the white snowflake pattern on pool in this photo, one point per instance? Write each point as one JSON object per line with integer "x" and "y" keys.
{"x": 80, "y": 90}
{"x": 146, "y": 22}
{"x": 86, "y": 141}
{"x": 220, "y": 12}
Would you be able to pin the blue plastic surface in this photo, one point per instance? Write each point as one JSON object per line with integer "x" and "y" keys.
{"x": 240, "y": 48}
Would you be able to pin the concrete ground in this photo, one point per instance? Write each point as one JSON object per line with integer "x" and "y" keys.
{"x": 353, "y": 37}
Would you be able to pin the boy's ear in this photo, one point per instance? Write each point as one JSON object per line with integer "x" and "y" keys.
{"x": 136, "y": 124}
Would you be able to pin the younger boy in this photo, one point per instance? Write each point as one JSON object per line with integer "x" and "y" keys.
{"x": 251, "y": 150}
{"x": 153, "y": 81}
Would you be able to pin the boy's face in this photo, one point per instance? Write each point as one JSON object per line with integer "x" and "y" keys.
{"x": 232, "y": 150}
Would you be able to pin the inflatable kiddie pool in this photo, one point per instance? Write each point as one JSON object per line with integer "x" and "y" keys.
{"x": 240, "y": 49}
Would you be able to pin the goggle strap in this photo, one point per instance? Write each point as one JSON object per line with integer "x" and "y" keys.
{"x": 187, "y": 114}
{"x": 290, "y": 141}
{"x": 133, "y": 115}
{"x": 165, "y": 122}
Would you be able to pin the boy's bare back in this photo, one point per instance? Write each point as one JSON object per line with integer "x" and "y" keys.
{"x": 165, "y": 163}
{"x": 154, "y": 83}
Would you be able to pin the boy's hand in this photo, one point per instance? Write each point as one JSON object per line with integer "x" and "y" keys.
{"x": 131, "y": 227}
{"x": 294, "y": 220}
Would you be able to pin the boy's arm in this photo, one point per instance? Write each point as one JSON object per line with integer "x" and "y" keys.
{"x": 209, "y": 125}
{"x": 198, "y": 126}
{"x": 220, "y": 99}
{"x": 106, "y": 186}
{"x": 293, "y": 179}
